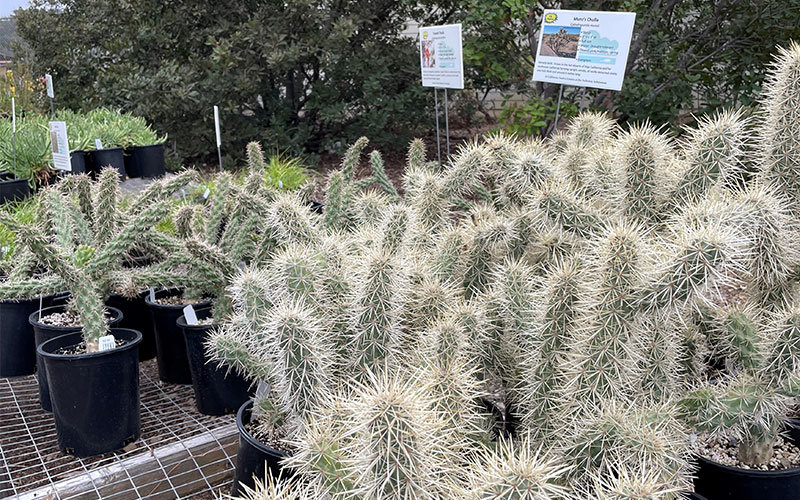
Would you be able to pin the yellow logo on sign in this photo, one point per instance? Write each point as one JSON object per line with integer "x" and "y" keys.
{"x": 549, "y": 18}
{"x": 424, "y": 34}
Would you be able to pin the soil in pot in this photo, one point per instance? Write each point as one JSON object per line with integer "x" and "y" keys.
{"x": 717, "y": 481}
{"x": 95, "y": 396}
{"x": 109, "y": 157}
{"x": 12, "y": 188}
{"x": 136, "y": 316}
{"x": 146, "y": 161}
{"x": 173, "y": 363}
{"x": 17, "y": 345}
{"x": 254, "y": 458}
{"x": 217, "y": 391}
{"x": 52, "y": 322}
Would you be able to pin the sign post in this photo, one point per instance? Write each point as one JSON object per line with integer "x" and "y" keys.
{"x": 50, "y": 93}
{"x": 583, "y": 49}
{"x": 219, "y": 139}
{"x": 60, "y": 146}
{"x": 442, "y": 64}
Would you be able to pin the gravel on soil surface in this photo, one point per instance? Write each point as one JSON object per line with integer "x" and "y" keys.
{"x": 177, "y": 300}
{"x": 724, "y": 451}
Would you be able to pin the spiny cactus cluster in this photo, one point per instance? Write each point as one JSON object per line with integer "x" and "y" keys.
{"x": 80, "y": 240}
{"x": 614, "y": 289}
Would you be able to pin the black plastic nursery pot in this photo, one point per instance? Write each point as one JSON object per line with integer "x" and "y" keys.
{"x": 173, "y": 363}
{"x": 217, "y": 391}
{"x": 109, "y": 157}
{"x": 145, "y": 161}
{"x": 95, "y": 396}
{"x": 253, "y": 458}
{"x": 77, "y": 160}
{"x": 42, "y": 333}
{"x": 136, "y": 316}
{"x": 17, "y": 345}
{"x": 12, "y": 188}
{"x": 716, "y": 481}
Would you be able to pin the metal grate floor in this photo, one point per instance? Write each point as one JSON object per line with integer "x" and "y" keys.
{"x": 181, "y": 454}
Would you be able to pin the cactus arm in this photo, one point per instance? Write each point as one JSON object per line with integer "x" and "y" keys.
{"x": 106, "y": 201}
{"x": 32, "y": 287}
{"x": 379, "y": 173}
{"x": 217, "y": 211}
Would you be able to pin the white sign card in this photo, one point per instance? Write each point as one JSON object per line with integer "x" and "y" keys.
{"x": 190, "y": 315}
{"x": 584, "y": 48}
{"x": 48, "y": 78}
{"x": 106, "y": 343}
{"x": 216, "y": 126}
{"x": 60, "y": 146}
{"x": 441, "y": 56}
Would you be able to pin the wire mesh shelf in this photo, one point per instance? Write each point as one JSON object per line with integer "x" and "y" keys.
{"x": 181, "y": 453}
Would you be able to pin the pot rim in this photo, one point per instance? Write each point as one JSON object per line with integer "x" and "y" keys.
{"x": 738, "y": 471}
{"x": 155, "y": 305}
{"x": 137, "y": 339}
{"x": 116, "y": 318}
{"x": 264, "y": 448}
{"x": 110, "y": 150}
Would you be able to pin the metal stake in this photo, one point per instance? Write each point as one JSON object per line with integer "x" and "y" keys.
{"x": 52, "y": 108}
{"x": 219, "y": 155}
{"x": 14, "y": 149}
{"x": 558, "y": 107}
{"x": 438, "y": 141}
{"x": 583, "y": 94}
{"x": 446, "y": 124}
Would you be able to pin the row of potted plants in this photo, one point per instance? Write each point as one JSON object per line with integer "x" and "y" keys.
{"x": 126, "y": 142}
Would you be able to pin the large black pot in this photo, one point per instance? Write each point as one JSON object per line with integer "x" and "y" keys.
{"x": 77, "y": 160}
{"x": 12, "y": 188}
{"x": 42, "y": 333}
{"x": 217, "y": 391}
{"x": 145, "y": 161}
{"x": 173, "y": 363}
{"x": 95, "y": 396}
{"x": 136, "y": 316}
{"x": 721, "y": 482}
{"x": 17, "y": 347}
{"x": 253, "y": 457}
{"x": 109, "y": 157}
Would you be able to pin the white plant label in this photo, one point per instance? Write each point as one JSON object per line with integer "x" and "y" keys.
{"x": 106, "y": 343}
{"x": 98, "y": 144}
{"x": 190, "y": 315}
{"x": 13, "y": 117}
{"x": 441, "y": 56}
{"x": 216, "y": 126}
{"x": 60, "y": 146}
{"x": 4, "y": 250}
{"x": 48, "y": 78}
{"x": 152, "y": 296}
{"x": 206, "y": 193}
{"x": 584, "y": 48}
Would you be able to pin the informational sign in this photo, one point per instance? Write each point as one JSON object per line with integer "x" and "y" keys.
{"x": 60, "y": 146}
{"x": 584, "y": 48}
{"x": 441, "y": 57}
{"x": 48, "y": 78}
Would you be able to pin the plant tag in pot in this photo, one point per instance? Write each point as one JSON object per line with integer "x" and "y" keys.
{"x": 106, "y": 343}
{"x": 98, "y": 144}
{"x": 190, "y": 315}
{"x": 152, "y": 295}
{"x": 206, "y": 193}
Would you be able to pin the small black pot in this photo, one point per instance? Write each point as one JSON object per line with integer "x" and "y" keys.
{"x": 77, "y": 160}
{"x": 717, "y": 482}
{"x": 17, "y": 347}
{"x": 12, "y": 188}
{"x": 316, "y": 206}
{"x": 173, "y": 363}
{"x": 95, "y": 396}
{"x": 136, "y": 316}
{"x": 42, "y": 333}
{"x": 146, "y": 161}
{"x": 217, "y": 391}
{"x": 254, "y": 457}
{"x": 109, "y": 157}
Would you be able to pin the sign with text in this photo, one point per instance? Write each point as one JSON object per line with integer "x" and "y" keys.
{"x": 60, "y": 146}
{"x": 440, "y": 56}
{"x": 584, "y": 48}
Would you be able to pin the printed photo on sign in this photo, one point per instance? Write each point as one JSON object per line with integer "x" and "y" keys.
{"x": 583, "y": 48}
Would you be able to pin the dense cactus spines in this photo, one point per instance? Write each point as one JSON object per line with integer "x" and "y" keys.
{"x": 779, "y": 131}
